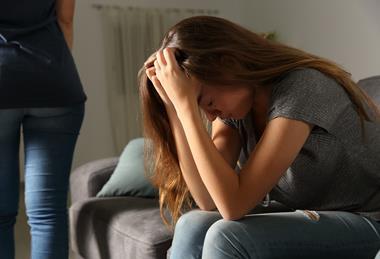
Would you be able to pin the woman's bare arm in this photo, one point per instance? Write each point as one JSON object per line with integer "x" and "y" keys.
{"x": 65, "y": 17}
{"x": 227, "y": 142}
{"x": 188, "y": 167}
{"x": 225, "y": 139}
{"x": 234, "y": 195}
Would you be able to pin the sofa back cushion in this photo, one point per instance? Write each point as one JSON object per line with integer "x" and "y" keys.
{"x": 129, "y": 177}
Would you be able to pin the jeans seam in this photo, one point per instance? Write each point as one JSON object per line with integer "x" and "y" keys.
{"x": 372, "y": 226}
{"x": 232, "y": 244}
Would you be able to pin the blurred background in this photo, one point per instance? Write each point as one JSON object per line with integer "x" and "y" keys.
{"x": 105, "y": 31}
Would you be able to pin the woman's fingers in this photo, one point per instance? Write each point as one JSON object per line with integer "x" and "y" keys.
{"x": 161, "y": 59}
{"x": 157, "y": 65}
{"x": 169, "y": 56}
{"x": 150, "y": 60}
{"x": 161, "y": 91}
{"x": 155, "y": 81}
{"x": 149, "y": 63}
{"x": 158, "y": 70}
{"x": 150, "y": 72}
{"x": 157, "y": 84}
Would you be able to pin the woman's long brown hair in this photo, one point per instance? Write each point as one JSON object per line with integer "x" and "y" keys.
{"x": 219, "y": 52}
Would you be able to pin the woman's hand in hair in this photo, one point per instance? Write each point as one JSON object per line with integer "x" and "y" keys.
{"x": 181, "y": 89}
{"x": 150, "y": 71}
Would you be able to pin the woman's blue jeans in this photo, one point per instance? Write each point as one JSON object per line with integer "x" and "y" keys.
{"x": 202, "y": 234}
{"x": 49, "y": 135}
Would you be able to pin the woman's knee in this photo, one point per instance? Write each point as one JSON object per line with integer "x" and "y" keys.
{"x": 224, "y": 240}
{"x": 189, "y": 233}
{"x": 195, "y": 221}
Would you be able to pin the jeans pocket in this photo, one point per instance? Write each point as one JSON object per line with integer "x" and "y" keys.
{"x": 58, "y": 111}
{"x": 67, "y": 120}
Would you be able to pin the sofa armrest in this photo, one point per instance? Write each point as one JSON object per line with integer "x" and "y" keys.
{"x": 87, "y": 180}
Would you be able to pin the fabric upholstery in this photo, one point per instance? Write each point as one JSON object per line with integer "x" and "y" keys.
{"x": 130, "y": 177}
{"x": 88, "y": 179}
{"x": 120, "y": 227}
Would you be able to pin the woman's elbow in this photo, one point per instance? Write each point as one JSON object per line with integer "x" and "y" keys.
{"x": 66, "y": 23}
{"x": 206, "y": 207}
{"x": 232, "y": 214}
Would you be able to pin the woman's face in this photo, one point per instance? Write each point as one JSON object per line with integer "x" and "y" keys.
{"x": 225, "y": 101}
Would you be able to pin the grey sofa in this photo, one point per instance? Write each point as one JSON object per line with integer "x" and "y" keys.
{"x": 128, "y": 227}
{"x": 116, "y": 227}
{"x": 119, "y": 227}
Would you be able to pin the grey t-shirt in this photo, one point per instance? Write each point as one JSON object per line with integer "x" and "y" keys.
{"x": 335, "y": 169}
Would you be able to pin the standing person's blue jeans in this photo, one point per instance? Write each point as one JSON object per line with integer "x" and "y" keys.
{"x": 50, "y": 135}
{"x": 202, "y": 234}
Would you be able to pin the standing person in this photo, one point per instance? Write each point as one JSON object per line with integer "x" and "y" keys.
{"x": 306, "y": 134}
{"x": 40, "y": 93}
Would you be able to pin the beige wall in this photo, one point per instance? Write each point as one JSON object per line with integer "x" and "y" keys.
{"x": 347, "y": 31}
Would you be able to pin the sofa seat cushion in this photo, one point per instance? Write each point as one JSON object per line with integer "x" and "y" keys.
{"x": 118, "y": 227}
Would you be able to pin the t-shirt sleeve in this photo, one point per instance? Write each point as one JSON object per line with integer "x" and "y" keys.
{"x": 311, "y": 96}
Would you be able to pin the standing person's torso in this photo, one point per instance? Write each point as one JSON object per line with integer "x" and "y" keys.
{"x": 21, "y": 14}
{"x": 36, "y": 66}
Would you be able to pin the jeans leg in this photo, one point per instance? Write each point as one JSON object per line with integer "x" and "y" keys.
{"x": 50, "y": 136}
{"x": 10, "y": 122}
{"x": 190, "y": 232}
{"x": 378, "y": 255}
{"x": 292, "y": 235}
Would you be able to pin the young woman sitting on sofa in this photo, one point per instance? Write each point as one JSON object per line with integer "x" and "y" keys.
{"x": 307, "y": 135}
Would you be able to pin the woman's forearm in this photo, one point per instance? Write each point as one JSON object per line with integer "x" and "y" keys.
{"x": 67, "y": 30}
{"x": 65, "y": 18}
{"x": 218, "y": 176}
{"x": 187, "y": 165}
